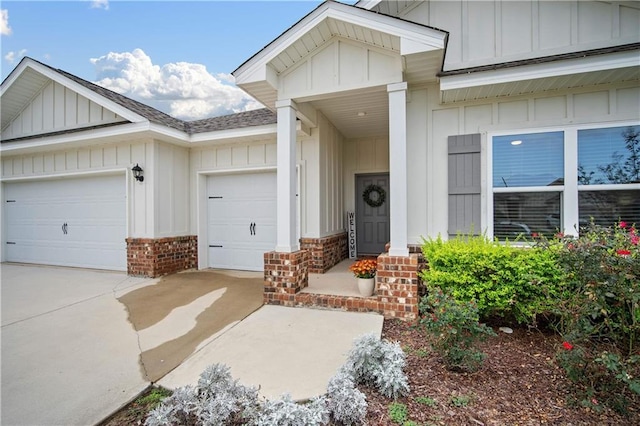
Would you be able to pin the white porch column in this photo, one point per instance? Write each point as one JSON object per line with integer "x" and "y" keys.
{"x": 398, "y": 169}
{"x": 286, "y": 177}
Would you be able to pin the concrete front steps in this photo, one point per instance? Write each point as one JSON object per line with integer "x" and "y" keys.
{"x": 396, "y": 294}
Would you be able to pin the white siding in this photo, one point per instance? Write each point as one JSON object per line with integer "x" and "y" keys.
{"x": 340, "y": 65}
{"x": 172, "y": 191}
{"x": 363, "y": 155}
{"x": 96, "y": 159}
{"x": 486, "y": 31}
{"x": 57, "y": 108}
{"x": 330, "y": 179}
{"x": 223, "y": 158}
{"x": 430, "y": 124}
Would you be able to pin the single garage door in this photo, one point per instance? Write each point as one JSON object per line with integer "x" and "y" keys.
{"x": 77, "y": 222}
{"x": 241, "y": 220}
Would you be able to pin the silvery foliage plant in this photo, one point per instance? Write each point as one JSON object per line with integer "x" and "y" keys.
{"x": 379, "y": 363}
{"x": 219, "y": 400}
{"x": 286, "y": 412}
{"x": 347, "y": 404}
{"x": 216, "y": 400}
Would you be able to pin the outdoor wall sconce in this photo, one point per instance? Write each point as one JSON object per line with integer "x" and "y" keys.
{"x": 137, "y": 173}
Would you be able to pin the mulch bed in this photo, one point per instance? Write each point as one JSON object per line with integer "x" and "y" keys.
{"x": 519, "y": 384}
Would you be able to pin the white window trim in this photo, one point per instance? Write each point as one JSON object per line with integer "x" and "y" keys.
{"x": 570, "y": 188}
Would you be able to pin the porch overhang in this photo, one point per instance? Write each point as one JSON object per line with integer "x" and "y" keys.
{"x": 419, "y": 49}
{"x": 582, "y": 69}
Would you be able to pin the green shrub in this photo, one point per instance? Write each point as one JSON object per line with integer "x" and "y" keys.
{"x": 455, "y": 330}
{"x": 600, "y": 315}
{"x": 398, "y": 412}
{"x": 505, "y": 281}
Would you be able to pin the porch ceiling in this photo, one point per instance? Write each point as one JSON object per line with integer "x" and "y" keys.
{"x": 343, "y": 112}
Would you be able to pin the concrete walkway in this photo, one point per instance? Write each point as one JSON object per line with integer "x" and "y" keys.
{"x": 281, "y": 350}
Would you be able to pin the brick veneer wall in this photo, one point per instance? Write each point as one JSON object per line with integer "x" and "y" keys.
{"x": 398, "y": 290}
{"x": 397, "y": 285}
{"x": 325, "y": 252}
{"x": 151, "y": 257}
{"x": 285, "y": 274}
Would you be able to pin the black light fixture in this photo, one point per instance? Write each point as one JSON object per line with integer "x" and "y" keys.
{"x": 137, "y": 173}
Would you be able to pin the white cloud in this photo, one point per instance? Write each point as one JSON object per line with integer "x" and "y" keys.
{"x": 100, "y": 4}
{"x": 13, "y": 57}
{"x": 182, "y": 89}
{"x": 5, "y": 29}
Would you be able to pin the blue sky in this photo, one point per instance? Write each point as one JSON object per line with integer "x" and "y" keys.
{"x": 174, "y": 55}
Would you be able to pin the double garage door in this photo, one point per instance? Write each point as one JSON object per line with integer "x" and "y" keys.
{"x": 241, "y": 220}
{"x": 78, "y": 222}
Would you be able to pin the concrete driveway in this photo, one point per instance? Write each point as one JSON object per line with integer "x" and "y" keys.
{"x": 79, "y": 344}
{"x": 69, "y": 354}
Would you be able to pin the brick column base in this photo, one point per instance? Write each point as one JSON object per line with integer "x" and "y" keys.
{"x": 285, "y": 274}
{"x": 397, "y": 285}
{"x": 149, "y": 257}
{"x": 325, "y": 252}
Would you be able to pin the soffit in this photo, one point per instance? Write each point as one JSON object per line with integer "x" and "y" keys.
{"x": 20, "y": 94}
{"x": 553, "y": 75}
{"x": 343, "y": 112}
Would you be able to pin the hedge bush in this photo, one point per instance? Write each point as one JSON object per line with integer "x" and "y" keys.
{"x": 518, "y": 283}
{"x": 600, "y": 317}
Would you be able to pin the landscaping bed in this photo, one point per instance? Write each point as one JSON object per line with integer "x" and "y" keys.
{"x": 519, "y": 383}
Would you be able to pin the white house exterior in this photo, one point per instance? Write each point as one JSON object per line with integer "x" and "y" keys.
{"x": 466, "y": 116}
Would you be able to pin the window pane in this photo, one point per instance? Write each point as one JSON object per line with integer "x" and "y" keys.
{"x": 608, "y": 207}
{"x": 535, "y": 159}
{"x": 526, "y": 213}
{"x": 609, "y": 156}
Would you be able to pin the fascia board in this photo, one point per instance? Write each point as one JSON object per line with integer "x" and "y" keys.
{"x": 367, "y": 4}
{"x": 390, "y": 25}
{"x": 246, "y": 132}
{"x": 87, "y": 93}
{"x": 49, "y": 142}
{"x": 536, "y": 71}
{"x": 416, "y": 33}
{"x": 15, "y": 74}
{"x": 169, "y": 132}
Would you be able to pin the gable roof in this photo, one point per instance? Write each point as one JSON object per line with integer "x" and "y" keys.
{"x": 39, "y": 73}
{"x": 422, "y": 43}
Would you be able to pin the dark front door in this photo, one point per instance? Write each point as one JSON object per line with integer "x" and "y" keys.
{"x": 372, "y": 221}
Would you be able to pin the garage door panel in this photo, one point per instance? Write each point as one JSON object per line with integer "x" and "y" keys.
{"x": 93, "y": 209}
{"x": 235, "y": 203}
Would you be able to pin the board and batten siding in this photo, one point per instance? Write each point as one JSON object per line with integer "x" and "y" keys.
{"x": 464, "y": 185}
{"x": 483, "y": 32}
{"x": 222, "y": 158}
{"x": 338, "y": 66}
{"x": 330, "y": 179}
{"x": 92, "y": 161}
{"x": 361, "y": 156}
{"x": 579, "y": 106}
{"x": 56, "y": 108}
{"x": 172, "y": 191}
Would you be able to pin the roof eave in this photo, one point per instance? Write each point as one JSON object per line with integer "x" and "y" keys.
{"x": 60, "y": 78}
{"x": 455, "y": 84}
{"x": 415, "y": 38}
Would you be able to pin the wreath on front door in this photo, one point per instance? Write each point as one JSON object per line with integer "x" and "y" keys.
{"x": 375, "y": 201}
